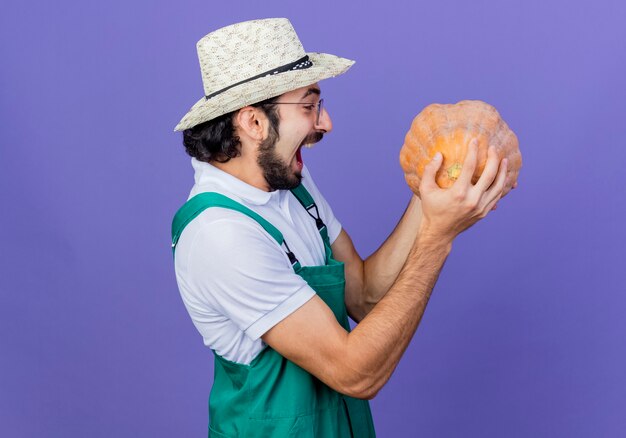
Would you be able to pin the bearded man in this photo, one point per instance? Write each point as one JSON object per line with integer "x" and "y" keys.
{"x": 266, "y": 271}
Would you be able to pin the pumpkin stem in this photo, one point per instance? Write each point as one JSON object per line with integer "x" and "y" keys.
{"x": 454, "y": 171}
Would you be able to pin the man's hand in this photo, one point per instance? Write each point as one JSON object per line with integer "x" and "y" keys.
{"x": 448, "y": 212}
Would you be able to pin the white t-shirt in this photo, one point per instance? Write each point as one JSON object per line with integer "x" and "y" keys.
{"x": 234, "y": 278}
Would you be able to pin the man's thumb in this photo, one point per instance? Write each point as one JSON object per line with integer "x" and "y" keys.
{"x": 428, "y": 179}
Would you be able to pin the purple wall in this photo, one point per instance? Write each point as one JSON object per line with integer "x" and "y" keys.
{"x": 524, "y": 334}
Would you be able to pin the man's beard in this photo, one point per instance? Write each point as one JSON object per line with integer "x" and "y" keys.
{"x": 278, "y": 174}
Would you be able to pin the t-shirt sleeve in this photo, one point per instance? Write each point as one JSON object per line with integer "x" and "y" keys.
{"x": 326, "y": 213}
{"x": 239, "y": 270}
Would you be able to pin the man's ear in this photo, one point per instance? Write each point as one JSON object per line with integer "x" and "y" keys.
{"x": 252, "y": 123}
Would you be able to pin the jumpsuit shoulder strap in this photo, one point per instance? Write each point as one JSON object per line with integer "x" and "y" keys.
{"x": 303, "y": 195}
{"x": 197, "y": 204}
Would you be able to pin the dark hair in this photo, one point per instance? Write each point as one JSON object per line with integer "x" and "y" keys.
{"x": 216, "y": 139}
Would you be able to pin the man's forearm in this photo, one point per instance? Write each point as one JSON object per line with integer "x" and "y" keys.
{"x": 381, "y": 269}
{"x": 377, "y": 343}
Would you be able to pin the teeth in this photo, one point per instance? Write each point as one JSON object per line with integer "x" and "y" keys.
{"x": 307, "y": 145}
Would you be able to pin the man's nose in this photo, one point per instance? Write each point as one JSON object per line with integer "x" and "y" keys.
{"x": 325, "y": 123}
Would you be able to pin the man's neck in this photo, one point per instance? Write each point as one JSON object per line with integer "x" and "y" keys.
{"x": 246, "y": 169}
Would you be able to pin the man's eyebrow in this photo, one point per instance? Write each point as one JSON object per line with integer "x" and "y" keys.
{"x": 310, "y": 91}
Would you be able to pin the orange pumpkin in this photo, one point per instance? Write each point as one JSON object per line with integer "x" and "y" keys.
{"x": 448, "y": 129}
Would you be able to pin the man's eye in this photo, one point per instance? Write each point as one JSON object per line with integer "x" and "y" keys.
{"x": 309, "y": 107}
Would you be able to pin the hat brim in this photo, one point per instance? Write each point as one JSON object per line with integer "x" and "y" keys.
{"x": 324, "y": 66}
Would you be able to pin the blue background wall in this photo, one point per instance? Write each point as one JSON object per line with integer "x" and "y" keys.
{"x": 524, "y": 334}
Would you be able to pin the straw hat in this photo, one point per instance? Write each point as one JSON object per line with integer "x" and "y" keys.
{"x": 248, "y": 62}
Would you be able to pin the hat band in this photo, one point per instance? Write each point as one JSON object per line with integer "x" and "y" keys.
{"x": 300, "y": 64}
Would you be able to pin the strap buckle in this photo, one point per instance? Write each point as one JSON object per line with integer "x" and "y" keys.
{"x": 319, "y": 223}
{"x": 292, "y": 257}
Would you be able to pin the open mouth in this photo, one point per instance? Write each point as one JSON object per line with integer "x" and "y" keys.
{"x": 299, "y": 161}
{"x": 308, "y": 142}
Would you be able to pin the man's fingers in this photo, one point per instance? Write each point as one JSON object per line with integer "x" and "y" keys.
{"x": 469, "y": 164}
{"x": 494, "y": 193}
{"x": 492, "y": 205}
{"x": 490, "y": 171}
{"x": 430, "y": 171}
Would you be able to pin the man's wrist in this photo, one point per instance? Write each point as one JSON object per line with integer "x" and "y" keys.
{"x": 429, "y": 235}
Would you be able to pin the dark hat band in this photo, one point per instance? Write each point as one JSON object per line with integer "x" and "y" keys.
{"x": 300, "y": 64}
